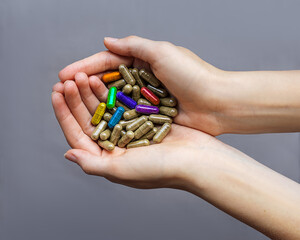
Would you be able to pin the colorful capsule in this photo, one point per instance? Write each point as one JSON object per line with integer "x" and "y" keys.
{"x": 118, "y": 84}
{"x": 150, "y": 96}
{"x": 168, "y": 102}
{"x": 136, "y": 124}
{"x": 111, "y": 98}
{"x": 99, "y": 129}
{"x": 143, "y": 101}
{"x": 129, "y": 102}
{"x": 110, "y": 77}
{"x": 130, "y": 114}
{"x": 98, "y": 114}
{"x": 149, "y": 77}
{"x": 139, "y": 143}
{"x": 172, "y": 112}
{"x": 143, "y": 129}
{"x": 115, "y": 134}
{"x": 162, "y": 133}
{"x": 135, "y": 74}
{"x": 105, "y": 134}
{"x": 160, "y": 92}
{"x": 126, "y": 74}
{"x": 116, "y": 117}
{"x": 107, "y": 145}
{"x": 145, "y": 109}
{"x": 136, "y": 93}
{"x": 125, "y": 139}
{"x": 159, "y": 119}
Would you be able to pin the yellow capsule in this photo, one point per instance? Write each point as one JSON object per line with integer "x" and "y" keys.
{"x": 126, "y": 139}
{"x": 162, "y": 133}
{"x": 130, "y": 114}
{"x": 143, "y": 101}
{"x": 119, "y": 104}
{"x": 105, "y": 134}
{"x": 107, "y": 145}
{"x": 139, "y": 143}
{"x": 118, "y": 84}
{"x": 99, "y": 129}
{"x": 172, "y": 112}
{"x": 149, "y": 135}
{"x": 115, "y": 134}
{"x": 107, "y": 116}
{"x": 135, "y": 125}
{"x": 127, "y": 89}
{"x": 98, "y": 114}
{"x": 143, "y": 129}
{"x": 159, "y": 119}
{"x": 136, "y": 93}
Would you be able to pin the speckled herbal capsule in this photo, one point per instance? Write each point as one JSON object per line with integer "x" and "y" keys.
{"x": 149, "y": 77}
{"x": 111, "y": 98}
{"x": 110, "y": 77}
{"x": 168, "y": 102}
{"x": 149, "y": 135}
{"x": 160, "y": 92}
{"x": 159, "y": 119}
{"x": 143, "y": 129}
{"x": 105, "y": 134}
{"x": 116, "y": 117}
{"x": 100, "y": 128}
{"x": 135, "y": 125}
{"x": 143, "y": 101}
{"x": 126, "y": 74}
{"x": 125, "y": 123}
{"x": 107, "y": 116}
{"x": 107, "y": 145}
{"x": 118, "y": 84}
{"x": 113, "y": 110}
{"x": 127, "y": 89}
{"x": 136, "y": 93}
{"x": 139, "y": 143}
{"x": 123, "y": 132}
{"x": 119, "y": 104}
{"x": 135, "y": 74}
{"x": 115, "y": 134}
{"x": 129, "y": 102}
{"x": 172, "y": 112}
{"x": 150, "y": 96}
{"x": 98, "y": 114}
{"x": 126, "y": 139}
{"x": 130, "y": 114}
{"x": 162, "y": 133}
{"x": 145, "y": 109}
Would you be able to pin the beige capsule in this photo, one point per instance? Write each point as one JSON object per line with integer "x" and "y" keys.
{"x": 119, "y": 104}
{"x": 125, "y": 139}
{"x": 123, "y": 132}
{"x": 143, "y": 101}
{"x": 139, "y": 143}
{"x": 130, "y": 114}
{"x": 107, "y": 145}
{"x": 162, "y": 133}
{"x": 172, "y": 112}
{"x": 137, "y": 123}
{"x": 118, "y": 84}
{"x": 105, "y": 134}
{"x": 149, "y": 135}
{"x": 160, "y": 92}
{"x": 127, "y": 89}
{"x": 149, "y": 77}
{"x": 99, "y": 129}
{"x": 136, "y": 93}
{"x": 159, "y": 119}
{"x": 115, "y": 134}
{"x": 124, "y": 123}
{"x": 107, "y": 116}
{"x": 112, "y": 110}
{"x": 126, "y": 74}
{"x": 135, "y": 74}
{"x": 168, "y": 101}
{"x": 143, "y": 129}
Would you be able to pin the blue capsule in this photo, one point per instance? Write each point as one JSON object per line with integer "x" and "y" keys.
{"x": 129, "y": 102}
{"x": 116, "y": 117}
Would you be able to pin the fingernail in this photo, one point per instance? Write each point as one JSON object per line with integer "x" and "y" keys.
{"x": 110, "y": 39}
{"x": 70, "y": 157}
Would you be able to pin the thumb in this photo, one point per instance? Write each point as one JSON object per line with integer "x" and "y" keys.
{"x": 90, "y": 163}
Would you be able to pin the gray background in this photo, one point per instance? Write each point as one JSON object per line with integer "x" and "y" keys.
{"x": 42, "y": 195}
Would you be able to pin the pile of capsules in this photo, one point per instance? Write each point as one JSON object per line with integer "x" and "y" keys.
{"x": 135, "y": 113}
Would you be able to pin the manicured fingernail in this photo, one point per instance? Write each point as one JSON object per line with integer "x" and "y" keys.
{"x": 110, "y": 39}
{"x": 70, "y": 157}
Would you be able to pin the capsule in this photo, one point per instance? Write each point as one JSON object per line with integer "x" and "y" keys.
{"x": 159, "y": 119}
{"x": 143, "y": 101}
{"x": 115, "y": 134}
{"x": 98, "y": 114}
{"x": 105, "y": 134}
{"x": 123, "y": 132}
{"x": 126, "y": 139}
{"x": 130, "y": 114}
{"x": 135, "y": 74}
{"x": 135, "y": 125}
{"x": 149, "y": 77}
{"x": 113, "y": 110}
{"x": 162, "y": 133}
{"x": 172, "y": 112}
{"x": 160, "y": 92}
{"x": 149, "y": 135}
{"x": 118, "y": 84}
{"x": 136, "y": 93}
{"x": 129, "y": 102}
{"x": 143, "y": 129}
{"x": 107, "y": 145}
{"x": 150, "y": 96}
{"x": 107, "y": 116}
{"x": 139, "y": 143}
{"x": 146, "y": 109}
{"x": 116, "y": 117}
{"x": 126, "y": 74}
{"x": 168, "y": 102}
{"x": 127, "y": 89}
{"x": 125, "y": 123}
{"x": 99, "y": 129}
{"x": 119, "y": 104}
{"x": 111, "y": 98}
{"x": 110, "y": 77}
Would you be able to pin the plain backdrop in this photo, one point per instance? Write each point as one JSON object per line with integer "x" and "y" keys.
{"x": 44, "y": 196}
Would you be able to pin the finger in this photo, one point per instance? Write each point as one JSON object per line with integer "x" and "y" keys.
{"x": 77, "y": 107}
{"x": 87, "y": 95}
{"x": 96, "y": 63}
{"x": 58, "y": 87}
{"x": 98, "y": 88}
{"x": 71, "y": 129}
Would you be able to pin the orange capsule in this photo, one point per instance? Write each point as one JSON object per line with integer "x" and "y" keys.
{"x": 150, "y": 96}
{"x": 110, "y": 77}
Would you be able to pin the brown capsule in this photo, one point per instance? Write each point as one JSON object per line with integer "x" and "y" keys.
{"x": 115, "y": 134}
{"x": 172, "y": 112}
{"x": 136, "y": 93}
{"x": 107, "y": 145}
{"x": 126, "y": 74}
{"x": 99, "y": 129}
{"x": 143, "y": 129}
{"x": 135, "y": 74}
{"x": 143, "y": 101}
{"x": 118, "y": 84}
{"x": 124, "y": 123}
{"x": 162, "y": 133}
{"x": 105, "y": 134}
{"x": 112, "y": 110}
{"x": 123, "y": 132}
{"x": 160, "y": 92}
{"x": 126, "y": 139}
{"x": 107, "y": 116}
{"x": 127, "y": 89}
{"x": 130, "y": 114}
{"x": 168, "y": 102}
{"x": 119, "y": 104}
{"x": 149, "y": 135}
{"x": 135, "y": 125}
{"x": 139, "y": 143}
{"x": 149, "y": 77}
{"x": 159, "y": 119}
{"x": 130, "y": 70}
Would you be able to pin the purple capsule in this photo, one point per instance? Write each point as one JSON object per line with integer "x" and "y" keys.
{"x": 129, "y": 102}
{"x": 146, "y": 109}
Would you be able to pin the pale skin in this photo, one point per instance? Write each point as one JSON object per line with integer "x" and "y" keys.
{"x": 210, "y": 100}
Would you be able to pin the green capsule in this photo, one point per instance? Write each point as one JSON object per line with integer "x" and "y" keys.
{"x": 115, "y": 134}
{"x": 143, "y": 101}
{"x": 130, "y": 114}
{"x": 124, "y": 123}
{"x": 107, "y": 116}
{"x": 99, "y": 129}
{"x": 126, "y": 74}
{"x": 126, "y": 139}
{"x": 111, "y": 97}
{"x": 107, "y": 145}
{"x": 135, "y": 125}
{"x": 162, "y": 133}
{"x": 127, "y": 89}
{"x": 159, "y": 119}
{"x": 149, "y": 135}
{"x": 149, "y": 77}
{"x": 136, "y": 93}
{"x": 139, "y": 143}
{"x": 172, "y": 112}
{"x": 119, "y": 104}
{"x": 160, "y": 92}
{"x": 118, "y": 84}
{"x": 135, "y": 74}
{"x": 143, "y": 129}
{"x": 105, "y": 134}
{"x": 98, "y": 114}
{"x": 168, "y": 102}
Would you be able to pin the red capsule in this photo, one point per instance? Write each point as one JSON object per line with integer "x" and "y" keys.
{"x": 150, "y": 96}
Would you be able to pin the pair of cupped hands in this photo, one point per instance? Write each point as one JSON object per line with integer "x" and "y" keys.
{"x": 199, "y": 88}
